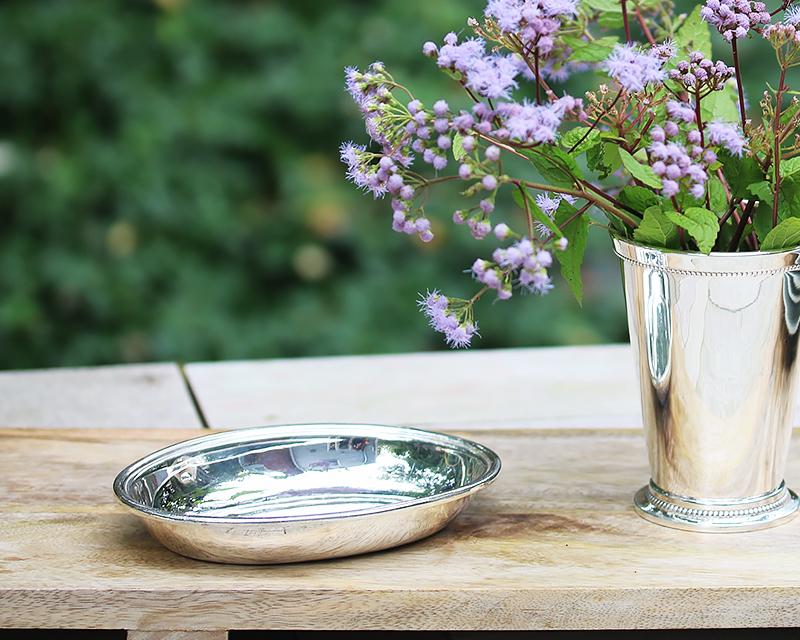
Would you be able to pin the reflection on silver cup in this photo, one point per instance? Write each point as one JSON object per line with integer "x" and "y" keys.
{"x": 715, "y": 340}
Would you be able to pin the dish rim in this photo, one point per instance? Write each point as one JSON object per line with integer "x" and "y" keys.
{"x": 137, "y": 469}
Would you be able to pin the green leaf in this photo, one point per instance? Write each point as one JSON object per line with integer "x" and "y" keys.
{"x": 639, "y": 198}
{"x": 604, "y": 6}
{"x": 611, "y": 157}
{"x": 458, "y": 147}
{"x": 702, "y": 225}
{"x": 595, "y": 160}
{"x": 657, "y": 229}
{"x": 790, "y": 167}
{"x": 762, "y": 214}
{"x": 761, "y": 190}
{"x": 694, "y": 35}
{"x": 590, "y": 50}
{"x": 788, "y": 202}
{"x": 740, "y": 174}
{"x": 555, "y": 166}
{"x": 717, "y": 196}
{"x": 721, "y": 105}
{"x": 785, "y": 236}
{"x": 536, "y": 213}
{"x": 571, "y": 258}
{"x": 610, "y": 20}
{"x": 641, "y": 172}
{"x": 576, "y": 135}
{"x": 789, "y": 198}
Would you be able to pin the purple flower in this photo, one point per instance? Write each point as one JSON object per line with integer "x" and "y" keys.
{"x": 726, "y": 135}
{"x": 492, "y": 76}
{"x": 673, "y": 163}
{"x": 699, "y": 74}
{"x": 371, "y": 91}
{"x": 792, "y": 15}
{"x": 460, "y": 56}
{"x": 665, "y": 51}
{"x": 536, "y": 281}
{"x": 489, "y": 75}
{"x": 502, "y": 231}
{"x": 785, "y": 32}
{"x": 440, "y": 108}
{"x": 458, "y": 332}
{"x": 633, "y": 68}
{"x": 536, "y": 22}
{"x": 548, "y": 203}
{"x": 531, "y": 123}
{"x": 680, "y": 111}
{"x": 734, "y": 18}
{"x": 360, "y": 171}
{"x": 479, "y": 228}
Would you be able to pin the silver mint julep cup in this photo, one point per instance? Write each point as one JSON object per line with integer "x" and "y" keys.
{"x": 715, "y": 342}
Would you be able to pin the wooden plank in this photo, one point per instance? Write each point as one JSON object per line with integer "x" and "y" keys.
{"x": 177, "y": 635}
{"x": 563, "y": 387}
{"x": 128, "y": 396}
{"x": 553, "y": 544}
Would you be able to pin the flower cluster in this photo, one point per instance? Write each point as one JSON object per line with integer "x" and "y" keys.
{"x": 450, "y": 317}
{"x": 488, "y": 75}
{"x": 635, "y": 68}
{"x": 536, "y": 22}
{"x": 699, "y": 75}
{"x": 734, "y": 18}
{"x": 372, "y": 92}
{"x": 785, "y": 33}
{"x": 521, "y": 263}
{"x": 672, "y": 162}
{"x": 653, "y": 129}
{"x": 726, "y": 135}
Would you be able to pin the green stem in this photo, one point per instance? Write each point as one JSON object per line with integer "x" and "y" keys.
{"x": 777, "y": 150}
{"x": 528, "y": 216}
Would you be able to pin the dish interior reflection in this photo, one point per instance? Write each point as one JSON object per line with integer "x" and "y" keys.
{"x": 305, "y": 476}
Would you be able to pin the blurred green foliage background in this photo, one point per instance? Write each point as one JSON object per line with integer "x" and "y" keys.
{"x": 170, "y": 188}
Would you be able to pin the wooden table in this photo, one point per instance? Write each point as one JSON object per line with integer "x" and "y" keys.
{"x": 554, "y": 544}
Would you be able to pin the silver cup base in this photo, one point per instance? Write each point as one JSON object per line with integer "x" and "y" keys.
{"x": 716, "y": 516}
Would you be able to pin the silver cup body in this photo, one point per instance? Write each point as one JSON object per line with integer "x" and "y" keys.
{"x": 715, "y": 341}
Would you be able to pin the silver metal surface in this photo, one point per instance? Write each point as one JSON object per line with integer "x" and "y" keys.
{"x": 715, "y": 340}
{"x": 292, "y": 493}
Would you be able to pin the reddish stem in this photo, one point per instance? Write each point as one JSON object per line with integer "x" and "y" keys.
{"x": 596, "y": 122}
{"x": 699, "y": 121}
{"x": 737, "y": 236}
{"x": 738, "y": 68}
{"x": 645, "y": 29}
{"x": 624, "y": 5}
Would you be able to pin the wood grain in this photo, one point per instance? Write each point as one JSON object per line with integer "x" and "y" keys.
{"x": 129, "y": 396}
{"x": 554, "y": 387}
{"x": 554, "y": 544}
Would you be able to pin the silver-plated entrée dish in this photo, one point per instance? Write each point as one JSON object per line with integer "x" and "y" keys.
{"x": 292, "y": 493}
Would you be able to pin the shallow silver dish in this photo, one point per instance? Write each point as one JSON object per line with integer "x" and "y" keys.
{"x": 291, "y": 493}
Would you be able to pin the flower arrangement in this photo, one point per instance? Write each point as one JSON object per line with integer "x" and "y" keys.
{"x": 662, "y": 152}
